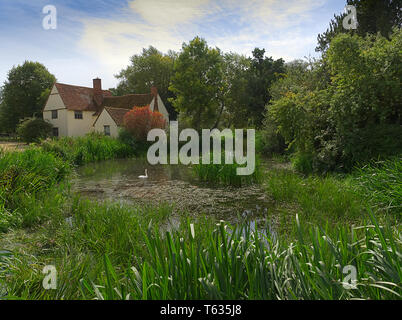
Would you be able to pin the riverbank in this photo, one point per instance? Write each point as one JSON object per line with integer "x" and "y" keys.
{"x": 95, "y": 243}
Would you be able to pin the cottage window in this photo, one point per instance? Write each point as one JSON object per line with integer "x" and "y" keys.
{"x": 55, "y": 132}
{"x": 54, "y": 114}
{"x": 106, "y": 130}
{"x": 78, "y": 115}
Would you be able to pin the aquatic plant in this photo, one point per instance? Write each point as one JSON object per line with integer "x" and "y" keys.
{"x": 226, "y": 174}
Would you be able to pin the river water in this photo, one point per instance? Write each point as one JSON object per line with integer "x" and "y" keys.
{"x": 174, "y": 185}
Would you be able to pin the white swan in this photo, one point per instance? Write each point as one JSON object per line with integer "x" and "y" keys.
{"x": 146, "y": 175}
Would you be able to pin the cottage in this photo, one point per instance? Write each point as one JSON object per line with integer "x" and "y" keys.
{"x": 75, "y": 111}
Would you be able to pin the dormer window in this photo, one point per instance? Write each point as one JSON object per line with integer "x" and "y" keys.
{"x": 78, "y": 115}
{"x": 54, "y": 114}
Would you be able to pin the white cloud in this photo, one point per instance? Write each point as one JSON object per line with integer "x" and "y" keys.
{"x": 170, "y": 13}
{"x": 232, "y": 25}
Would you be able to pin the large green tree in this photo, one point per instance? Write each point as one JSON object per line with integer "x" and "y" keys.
{"x": 150, "y": 68}
{"x": 236, "y": 97}
{"x": 373, "y": 16}
{"x": 262, "y": 73}
{"x": 198, "y": 85}
{"x": 24, "y": 94}
{"x": 351, "y": 116}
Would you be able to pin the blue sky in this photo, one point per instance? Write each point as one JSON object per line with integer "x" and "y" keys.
{"x": 97, "y": 38}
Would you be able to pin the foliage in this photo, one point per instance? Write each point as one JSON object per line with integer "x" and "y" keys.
{"x": 345, "y": 108}
{"x": 235, "y": 96}
{"x": 34, "y": 129}
{"x": 24, "y": 94}
{"x": 23, "y": 175}
{"x": 198, "y": 84}
{"x": 151, "y": 68}
{"x": 127, "y": 138}
{"x": 373, "y": 17}
{"x": 140, "y": 120}
{"x": 204, "y": 261}
{"x": 226, "y": 174}
{"x": 107, "y": 251}
{"x": 380, "y": 183}
{"x": 313, "y": 195}
{"x": 90, "y": 148}
{"x": 262, "y": 73}
{"x": 238, "y": 263}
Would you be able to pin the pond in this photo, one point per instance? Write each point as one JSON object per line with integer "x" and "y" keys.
{"x": 175, "y": 185}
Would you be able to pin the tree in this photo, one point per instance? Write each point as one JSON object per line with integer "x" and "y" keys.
{"x": 236, "y": 97}
{"x": 350, "y": 117}
{"x": 198, "y": 85}
{"x": 262, "y": 73}
{"x": 24, "y": 93}
{"x": 34, "y": 129}
{"x": 373, "y": 16}
{"x": 140, "y": 120}
{"x": 151, "y": 68}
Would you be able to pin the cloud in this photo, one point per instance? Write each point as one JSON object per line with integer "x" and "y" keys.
{"x": 170, "y": 13}
{"x": 232, "y": 25}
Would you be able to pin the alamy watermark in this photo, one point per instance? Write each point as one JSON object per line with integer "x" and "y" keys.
{"x": 50, "y": 280}
{"x": 350, "y": 280}
{"x": 190, "y": 152}
{"x": 50, "y": 20}
{"x": 350, "y": 21}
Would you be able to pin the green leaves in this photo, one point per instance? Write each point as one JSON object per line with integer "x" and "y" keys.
{"x": 197, "y": 83}
{"x": 24, "y": 93}
{"x": 230, "y": 262}
{"x": 344, "y": 108}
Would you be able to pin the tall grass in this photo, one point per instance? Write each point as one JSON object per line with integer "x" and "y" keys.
{"x": 380, "y": 183}
{"x": 316, "y": 197}
{"x": 236, "y": 263}
{"x": 23, "y": 175}
{"x": 90, "y": 148}
{"x": 77, "y": 245}
{"x": 111, "y": 251}
{"x": 226, "y": 174}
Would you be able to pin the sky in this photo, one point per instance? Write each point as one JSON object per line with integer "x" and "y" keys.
{"x": 97, "y": 38}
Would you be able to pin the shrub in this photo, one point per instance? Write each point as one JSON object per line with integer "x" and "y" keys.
{"x": 345, "y": 108}
{"x": 140, "y": 120}
{"x": 34, "y": 129}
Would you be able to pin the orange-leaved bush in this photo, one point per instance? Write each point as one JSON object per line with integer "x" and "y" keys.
{"x": 140, "y": 120}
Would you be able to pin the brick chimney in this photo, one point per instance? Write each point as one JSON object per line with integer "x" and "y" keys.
{"x": 98, "y": 94}
{"x": 154, "y": 92}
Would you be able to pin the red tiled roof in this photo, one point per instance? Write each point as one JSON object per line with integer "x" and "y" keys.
{"x": 128, "y": 101}
{"x": 79, "y": 98}
{"x": 117, "y": 114}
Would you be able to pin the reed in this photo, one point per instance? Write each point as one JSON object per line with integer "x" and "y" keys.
{"x": 90, "y": 148}
{"x": 380, "y": 183}
{"x": 226, "y": 174}
{"x": 237, "y": 263}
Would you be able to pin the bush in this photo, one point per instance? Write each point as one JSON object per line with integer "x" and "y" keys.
{"x": 140, "y": 120}
{"x": 345, "y": 108}
{"x": 34, "y": 129}
{"x": 269, "y": 141}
